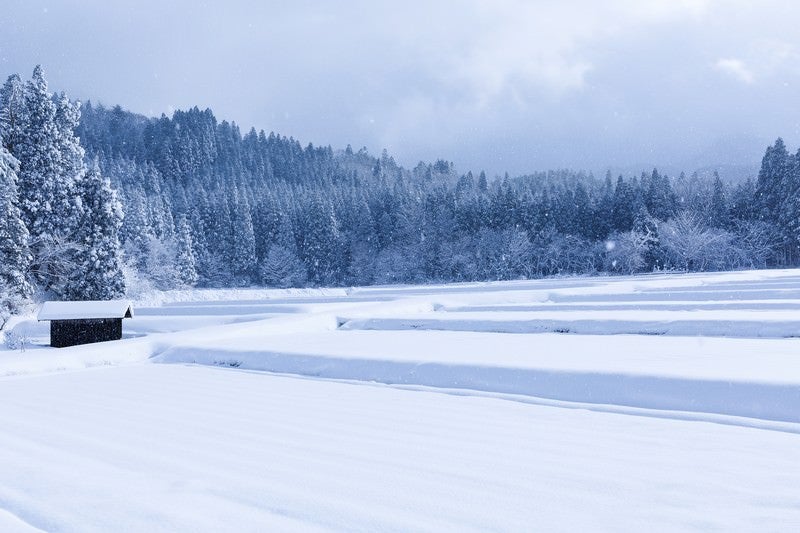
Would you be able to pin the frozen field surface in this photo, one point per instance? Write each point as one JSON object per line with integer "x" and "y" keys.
{"x": 166, "y": 448}
{"x": 667, "y": 402}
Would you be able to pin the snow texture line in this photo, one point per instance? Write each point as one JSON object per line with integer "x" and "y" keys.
{"x": 775, "y": 402}
{"x": 685, "y": 416}
{"x": 682, "y": 328}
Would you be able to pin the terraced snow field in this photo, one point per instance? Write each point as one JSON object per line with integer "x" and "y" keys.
{"x": 661, "y": 402}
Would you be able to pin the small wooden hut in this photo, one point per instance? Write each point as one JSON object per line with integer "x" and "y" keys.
{"x": 73, "y": 323}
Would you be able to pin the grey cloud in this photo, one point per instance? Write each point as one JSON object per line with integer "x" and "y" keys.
{"x": 501, "y": 85}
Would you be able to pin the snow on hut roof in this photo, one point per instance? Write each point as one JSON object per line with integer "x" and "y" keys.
{"x": 86, "y": 309}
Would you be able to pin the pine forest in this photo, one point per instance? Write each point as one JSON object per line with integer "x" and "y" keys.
{"x": 97, "y": 201}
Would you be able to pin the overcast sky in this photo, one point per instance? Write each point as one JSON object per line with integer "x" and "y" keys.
{"x": 495, "y": 84}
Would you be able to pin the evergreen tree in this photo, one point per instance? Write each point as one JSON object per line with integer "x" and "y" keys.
{"x": 789, "y": 207}
{"x": 718, "y": 215}
{"x": 582, "y": 220}
{"x": 622, "y": 207}
{"x": 159, "y": 208}
{"x": 660, "y": 200}
{"x": 769, "y": 194}
{"x": 742, "y": 205}
{"x": 15, "y": 257}
{"x": 215, "y": 263}
{"x": 98, "y": 273}
{"x": 646, "y": 225}
{"x": 483, "y": 184}
{"x": 12, "y": 112}
{"x": 71, "y": 153}
{"x": 243, "y": 251}
{"x": 185, "y": 259}
{"x": 282, "y": 268}
{"x": 318, "y": 241}
{"x": 135, "y": 232}
{"x": 359, "y": 234}
{"x": 47, "y": 177}
{"x": 465, "y": 185}
{"x": 603, "y": 209}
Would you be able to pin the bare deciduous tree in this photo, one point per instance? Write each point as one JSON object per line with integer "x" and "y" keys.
{"x": 690, "y": 245}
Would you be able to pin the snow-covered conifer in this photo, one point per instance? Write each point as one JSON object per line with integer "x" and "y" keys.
{"x": 282, "y": 268}
{"x": 185, "y": 259}
{"x": 769, "y": 191}
{"x": 67, "y": 118}
{"x": 98, "y": 274}
{"x": 15, "y": 257}
{"x": 243, "y": 251}
{"x": 135, "y": 232}
{"x": 318, "y": 240}
{"x": 718, "y": 215}
{"x": 12, "y": 110}
{"x": 47, "y": 177}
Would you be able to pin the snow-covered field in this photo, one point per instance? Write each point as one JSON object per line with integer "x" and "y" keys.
{"x": 661, "y": 402}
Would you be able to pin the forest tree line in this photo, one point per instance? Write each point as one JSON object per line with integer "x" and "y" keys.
{"x": 205, "y": 205}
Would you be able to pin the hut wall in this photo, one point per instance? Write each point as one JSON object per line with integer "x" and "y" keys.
{"x": 73, "y": 332}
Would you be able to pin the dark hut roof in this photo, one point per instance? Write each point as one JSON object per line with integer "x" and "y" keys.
{"x": 86, "y": 309}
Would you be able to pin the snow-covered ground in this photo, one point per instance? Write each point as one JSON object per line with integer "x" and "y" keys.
{"x": 656, "y": 402}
